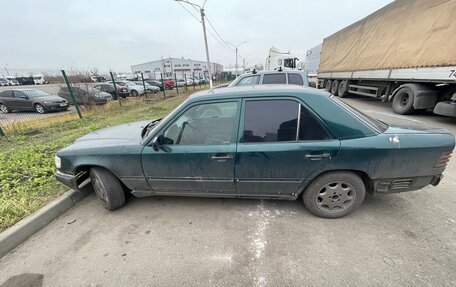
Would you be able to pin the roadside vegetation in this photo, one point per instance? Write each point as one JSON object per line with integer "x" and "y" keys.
{"x": 27, "y": 168}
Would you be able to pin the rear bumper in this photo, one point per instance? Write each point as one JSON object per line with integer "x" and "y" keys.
{"x": 67, "y": 179}
{"x": 395, "y": 185}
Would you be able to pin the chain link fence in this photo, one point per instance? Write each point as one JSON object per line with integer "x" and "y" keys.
{"x": 30, "y": 98}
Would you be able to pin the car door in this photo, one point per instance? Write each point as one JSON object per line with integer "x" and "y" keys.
{"x": 7, "y": 97}
{"x": 197, "y": 151}
{"x": 281, "y": 143}
{"x": 22, "y": 101}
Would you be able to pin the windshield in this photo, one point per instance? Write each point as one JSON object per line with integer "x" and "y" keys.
{"x": 379, "y": 125}
{"x": 36, "y": 78}
{"x": 35, "y": 93}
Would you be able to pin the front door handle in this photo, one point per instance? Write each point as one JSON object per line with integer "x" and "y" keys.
{"x": 222, "y": 156}
{"x": 318, "y": 156}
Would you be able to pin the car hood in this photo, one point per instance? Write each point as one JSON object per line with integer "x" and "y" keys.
{"x": 130, "y": 132}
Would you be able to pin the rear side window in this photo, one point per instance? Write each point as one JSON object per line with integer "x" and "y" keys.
{"x": 6, "y": 94}
{"x": 247, "y": 81}
{"x": 310, "y": 128}
{"x": 274, "y": 78}
{"x": 295, "y": 79}
{"x": 270, "y": 121}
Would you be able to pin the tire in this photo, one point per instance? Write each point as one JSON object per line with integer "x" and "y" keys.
{"x": 403, "y": 101}
{"x": 134, "y": 93}
{"x": 334, "y": 87}
{"x": 39, "y": 108}
{"x": 4, "y": 109}
{"x": 328, "y": 85}
{"x": 334, "y": 194}
{"x": 342, "y": 91}
{"x": 107, "y": 188}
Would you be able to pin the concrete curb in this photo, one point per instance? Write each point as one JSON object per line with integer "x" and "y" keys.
{"x": 21, "y": 231}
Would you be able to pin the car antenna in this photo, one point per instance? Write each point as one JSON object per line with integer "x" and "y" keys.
{"x": 254, "y": 71}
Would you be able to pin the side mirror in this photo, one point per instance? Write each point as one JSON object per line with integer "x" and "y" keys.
{"x": 157, "y": 142}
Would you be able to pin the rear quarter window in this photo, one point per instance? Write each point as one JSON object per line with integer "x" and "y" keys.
{"x": 279, "y": 78}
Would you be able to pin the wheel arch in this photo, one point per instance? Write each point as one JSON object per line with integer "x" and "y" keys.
{"x": 82, "y": 172}
{"x": 362, "y": 174}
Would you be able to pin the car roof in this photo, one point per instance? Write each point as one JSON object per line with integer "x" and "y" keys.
{"x": 268, "y": 90}
{"x": 262, "y": 72}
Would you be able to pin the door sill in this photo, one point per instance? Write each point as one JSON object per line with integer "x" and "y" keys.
{"x": 146, "y": 193}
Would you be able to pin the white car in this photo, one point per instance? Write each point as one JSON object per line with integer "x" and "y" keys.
{"x": 134, "y": 89}
{"x": 38, "y": 80}
{"x": 13, "y": 81}
{"x": 4, "y": 82}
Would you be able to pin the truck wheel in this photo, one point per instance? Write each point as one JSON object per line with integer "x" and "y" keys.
{"x": 334, "y": 87}
{"x": 107, "y": 188}
{"x": 403, "y": 101}
{"x": 342, "y": 91}
{"x": 328, "y": 85}
{"x": 334, "y": 194}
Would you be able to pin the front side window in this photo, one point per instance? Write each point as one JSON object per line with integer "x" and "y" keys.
{"x": 35, "y": 93}
{"x": 206, "y": 124}
{"x": 247, "y": 81}
{"x": 295, "y": 79}
{"x": 270, "y": 121}
{"x": 279, "y": 78}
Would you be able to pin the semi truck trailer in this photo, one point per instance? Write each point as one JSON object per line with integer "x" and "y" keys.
{"x": 404, "y": 53}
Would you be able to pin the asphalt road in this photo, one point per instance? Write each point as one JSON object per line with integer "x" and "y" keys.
{"x": 396, "y": 240}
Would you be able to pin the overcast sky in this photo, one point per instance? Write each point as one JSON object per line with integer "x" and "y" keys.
{"x": 114, "y": 34}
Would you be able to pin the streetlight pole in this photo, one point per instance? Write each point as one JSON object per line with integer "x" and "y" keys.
{"x": 201, "y": 9}
{"x": 236, "y": 48}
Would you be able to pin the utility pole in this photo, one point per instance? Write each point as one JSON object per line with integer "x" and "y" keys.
{"x": 201, "y": 9}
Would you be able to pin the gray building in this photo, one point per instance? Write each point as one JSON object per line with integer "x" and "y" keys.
{"x": 312, "y": 62}
{"x": 182, "y": 67}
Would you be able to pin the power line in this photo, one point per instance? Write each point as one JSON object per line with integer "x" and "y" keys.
{"x": 221, "y": 38}
{"x": 189, "y": 12}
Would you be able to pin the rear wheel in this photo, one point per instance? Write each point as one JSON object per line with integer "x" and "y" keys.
{"x": 4, "y": 109}
{"x": 403, "y": 101}
{"x": 334, "y": 194}
{"x": 334, "y": 87}
{"x": 328, "y": 85}
{"x": 39, "y": 109}
{"x": 342, "y": 91}
{"x": 107, "y": 188}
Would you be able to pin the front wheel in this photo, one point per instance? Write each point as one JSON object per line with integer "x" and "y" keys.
{"x": 334, "y": 194}
{"x": 134, "y": 93}
{"x": 39, "y": 109}
{"x": 107, "y": 188}
{"x": 403, "y": 101}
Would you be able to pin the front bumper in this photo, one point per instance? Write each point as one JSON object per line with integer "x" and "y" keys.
{"x": 67, "y": 179}
{"x": 56, "y": 107}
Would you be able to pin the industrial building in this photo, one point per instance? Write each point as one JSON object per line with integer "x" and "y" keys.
{"x": 182, "y": 67}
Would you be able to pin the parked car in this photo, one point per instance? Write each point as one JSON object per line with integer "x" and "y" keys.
{"x": 277, "y": 142}
{"x": 181, "y": 82}
{"x": 85, "y": 95}
{"x": 149, "y": 88}
{"x": 155, "y": 83}
{"x": 30, "y": 100}
{"x": 13, "y": 81}
{"x": 4, "y": 82}
{"x": 39, "y": 80}
{"x": 134, "y": 89}
{"x": 109, "y": 88}
{"x": 290, "y": 77}
{"x": 169, "y": 83}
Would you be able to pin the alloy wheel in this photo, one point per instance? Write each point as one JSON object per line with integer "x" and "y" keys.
{"x": 336, "y": 196}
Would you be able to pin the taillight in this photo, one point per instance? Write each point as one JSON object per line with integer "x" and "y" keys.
{"x": 444, "y": 159}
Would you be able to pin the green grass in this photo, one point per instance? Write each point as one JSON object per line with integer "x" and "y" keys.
{"x": 27, "y": 168}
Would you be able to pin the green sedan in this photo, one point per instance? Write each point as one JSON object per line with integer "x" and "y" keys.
{"x": 272, "y": 142}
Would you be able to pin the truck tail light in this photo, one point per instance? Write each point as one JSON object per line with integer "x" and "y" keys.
{"x": 444, "y": 159}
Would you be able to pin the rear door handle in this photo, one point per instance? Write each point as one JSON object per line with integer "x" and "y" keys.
{"x": 222, "y": 156}
{"x": 318, "y": 156}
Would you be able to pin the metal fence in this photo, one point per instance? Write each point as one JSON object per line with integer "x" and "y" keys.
{"x": 29, "y": 97}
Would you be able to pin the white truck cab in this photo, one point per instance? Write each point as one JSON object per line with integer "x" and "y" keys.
{"x": 281, "y": 60}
